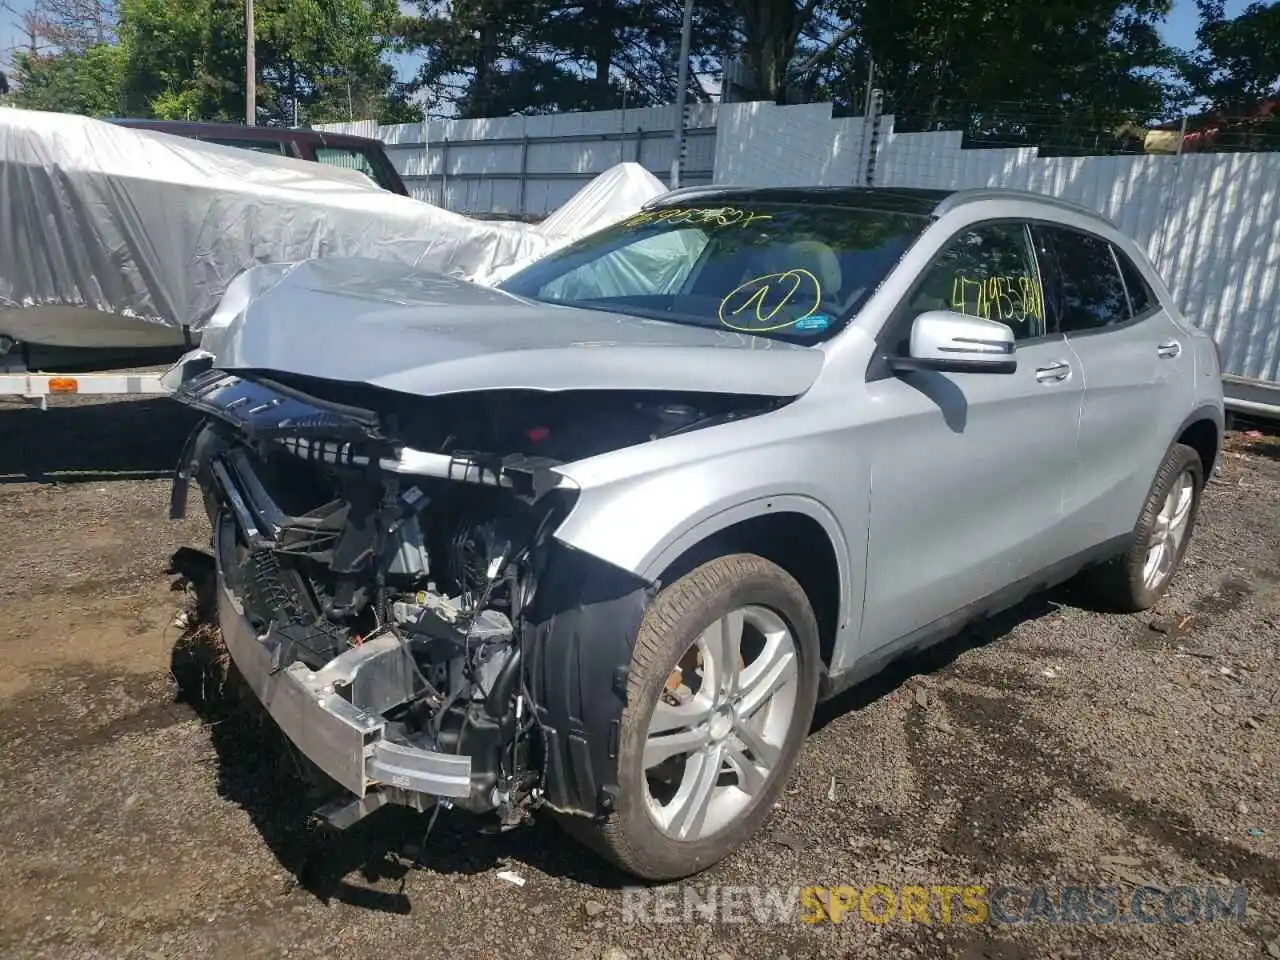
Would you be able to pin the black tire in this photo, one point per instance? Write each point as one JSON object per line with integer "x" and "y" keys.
{"x": 1118, "y": 584}
{"x": 679, "y": 614}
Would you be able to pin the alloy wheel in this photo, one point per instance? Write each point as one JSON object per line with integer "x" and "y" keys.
{"x": 718, "y": 730}
{"x": 1169, "y": 531}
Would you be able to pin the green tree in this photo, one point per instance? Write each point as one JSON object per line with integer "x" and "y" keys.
{"x": 72, "y": 81}
{"x": 1059, "y": 74}
{"x": 317, "y": 60}
{"x": 496, "y": 57}
{"x": 1237, "y": 62}
{"x": 328, "y": 58}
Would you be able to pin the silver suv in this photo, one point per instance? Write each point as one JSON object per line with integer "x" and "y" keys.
{"x": 596, "y": 542}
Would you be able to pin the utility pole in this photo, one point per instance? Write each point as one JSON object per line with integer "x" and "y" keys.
{"x": 622, "y": 122}
{"x": 686, "y": 36}
{"x": 250, "y": 69}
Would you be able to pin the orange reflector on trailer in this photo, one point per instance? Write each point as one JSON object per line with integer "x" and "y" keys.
{"x": 63, "y": 385}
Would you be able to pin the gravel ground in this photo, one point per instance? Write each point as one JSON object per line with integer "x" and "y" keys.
{"x": 148, "y": 816}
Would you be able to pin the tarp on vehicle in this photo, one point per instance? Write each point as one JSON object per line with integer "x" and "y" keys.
{"x": 614, "y": 195}
{"x": 152, "y": 227}
{"x": 608, "y": 199}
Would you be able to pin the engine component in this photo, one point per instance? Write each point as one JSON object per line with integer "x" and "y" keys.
{"x": 407, "y": 553}
{"x": 471, "y": 535}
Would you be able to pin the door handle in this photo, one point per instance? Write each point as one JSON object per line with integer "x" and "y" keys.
{"x": 1054, "y": 372}
{"x": 1169, "y": 349}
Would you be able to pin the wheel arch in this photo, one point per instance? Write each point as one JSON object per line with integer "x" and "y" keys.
{"x": 1203, "y": 432}
{"x": 796, "y": 532}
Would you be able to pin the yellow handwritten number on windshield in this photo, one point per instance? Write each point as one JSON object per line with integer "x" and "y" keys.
{"x": 766, "y": 296}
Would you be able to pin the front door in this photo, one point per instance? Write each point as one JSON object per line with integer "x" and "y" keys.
{"x": 969, "y": 472}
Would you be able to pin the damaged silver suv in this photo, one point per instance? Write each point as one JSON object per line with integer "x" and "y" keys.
{"x": 595, "y": 542}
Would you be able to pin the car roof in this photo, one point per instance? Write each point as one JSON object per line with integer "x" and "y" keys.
{"x": 194, "y": 128}
{"x": 922, "y": 201}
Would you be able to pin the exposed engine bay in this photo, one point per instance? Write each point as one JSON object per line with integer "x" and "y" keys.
{"x": 384, "y": 553}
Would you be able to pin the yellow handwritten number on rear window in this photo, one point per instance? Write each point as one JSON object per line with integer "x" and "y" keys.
{"x": 766, "y": 296}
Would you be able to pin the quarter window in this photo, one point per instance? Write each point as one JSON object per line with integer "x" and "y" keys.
{"x": 1092, "y": 293}
{"x": 989, "y": 272}
{"x": 1141, "y": 296}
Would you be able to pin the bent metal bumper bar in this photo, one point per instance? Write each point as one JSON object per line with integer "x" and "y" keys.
{"x": 344, "y": 738}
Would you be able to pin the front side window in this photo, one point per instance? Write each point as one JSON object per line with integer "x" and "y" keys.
{"x": 987, "y": 271}
{"x": 1091, "y": 292}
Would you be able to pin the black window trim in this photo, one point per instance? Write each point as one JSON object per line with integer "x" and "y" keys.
{"x": 1134, "y": 319}
{"x": 1134, "y": 316}
{"x": 878, "y": 366}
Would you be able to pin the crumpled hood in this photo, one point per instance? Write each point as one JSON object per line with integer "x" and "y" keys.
{"x": 387, "y": 325}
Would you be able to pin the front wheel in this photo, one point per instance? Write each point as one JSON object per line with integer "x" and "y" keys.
{"x": 720, "y": 695}
{"x": 1136, "y": 580}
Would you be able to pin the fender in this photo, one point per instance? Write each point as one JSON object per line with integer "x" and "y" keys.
{"x": 663, "y": 554}
{"x": 1216, "y": 416}
{"x": 579, "y": 641}
{"x": 650, "y": 559}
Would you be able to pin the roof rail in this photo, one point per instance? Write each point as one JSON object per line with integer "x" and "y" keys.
{"x": 977, "y": 194}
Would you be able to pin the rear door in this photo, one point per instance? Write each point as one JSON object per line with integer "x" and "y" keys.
{"x": 969, "y": 470}
{"x": 1136, "y": 369}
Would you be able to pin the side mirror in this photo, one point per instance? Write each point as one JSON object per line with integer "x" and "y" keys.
{"x": 954, "y": 343}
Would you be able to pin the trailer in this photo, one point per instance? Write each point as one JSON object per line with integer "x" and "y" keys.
{"x": 39, "y": 386}
{"x": 1259, "y": 399}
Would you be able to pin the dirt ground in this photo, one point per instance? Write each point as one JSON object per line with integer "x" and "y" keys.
{"x": 145, "y": 815}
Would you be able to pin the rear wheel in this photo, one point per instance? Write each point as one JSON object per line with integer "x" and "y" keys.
{"x": 720, "y": 696}
{"x": 1136, "y": 580}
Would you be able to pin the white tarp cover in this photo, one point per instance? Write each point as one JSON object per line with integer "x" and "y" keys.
{"x": 614, "y": 195}
{"x": 154, "y": 227}
{"x": 608, "y": 199}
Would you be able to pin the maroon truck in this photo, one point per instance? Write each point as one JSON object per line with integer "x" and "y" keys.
{"x": 335, "y": 149}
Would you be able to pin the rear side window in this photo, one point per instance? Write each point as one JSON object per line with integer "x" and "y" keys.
{"x": 1091, "y": 292}
{"x": 1141, "y": 297}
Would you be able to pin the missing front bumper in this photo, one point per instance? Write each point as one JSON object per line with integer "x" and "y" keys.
{"x": 347, "y": 739}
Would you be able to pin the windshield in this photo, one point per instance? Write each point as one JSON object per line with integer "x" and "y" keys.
{"x": 797, "y": 272}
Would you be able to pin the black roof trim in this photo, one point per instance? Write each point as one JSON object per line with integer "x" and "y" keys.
{"x": 908, "y": 200}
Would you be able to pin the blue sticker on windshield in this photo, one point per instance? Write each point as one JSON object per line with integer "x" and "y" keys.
{"x": 815, "y": 321}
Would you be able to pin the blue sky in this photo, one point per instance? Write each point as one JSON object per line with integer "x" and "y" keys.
{"x": 1179, "y": 30}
